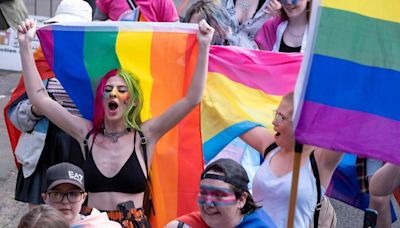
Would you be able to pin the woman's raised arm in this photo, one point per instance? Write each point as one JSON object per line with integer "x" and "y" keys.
{"x": 158, "y": 126}
{"x": 75, "y": 126}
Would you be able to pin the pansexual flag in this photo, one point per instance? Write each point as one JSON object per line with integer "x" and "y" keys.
{"x": 243, "y": 88}
{"x": 351, "y": 88}
{"x": 163, "y": 57}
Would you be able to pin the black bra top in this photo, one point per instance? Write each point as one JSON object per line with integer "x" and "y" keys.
{"x": 285, "y": 48}
{"x": 130, "y": 178}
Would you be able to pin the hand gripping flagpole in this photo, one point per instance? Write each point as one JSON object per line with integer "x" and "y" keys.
{"x": 298, "y": 149}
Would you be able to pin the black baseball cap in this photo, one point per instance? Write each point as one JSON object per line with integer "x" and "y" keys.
{"x": 64, "y": 173}
{"x": 234, "y": 173}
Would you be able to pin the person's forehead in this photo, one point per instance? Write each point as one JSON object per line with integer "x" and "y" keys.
{"x": 65, "y": 187}
{"x": 115, "y": 80}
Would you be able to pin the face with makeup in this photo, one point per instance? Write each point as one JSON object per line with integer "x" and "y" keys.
{"x": 218, "y": 204}
{"x": 294, "y": 8}
{"x": 115, "y": 98}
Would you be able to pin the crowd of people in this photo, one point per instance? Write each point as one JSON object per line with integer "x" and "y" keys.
{"x": 78, "y": 173}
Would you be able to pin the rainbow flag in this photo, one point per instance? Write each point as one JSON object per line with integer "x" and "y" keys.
{"x": 163, "y": 56}
{"x": 349, "y": 98}
{"x": 243, "y": 88}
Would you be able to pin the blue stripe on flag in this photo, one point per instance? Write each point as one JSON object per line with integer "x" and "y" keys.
{"x": 68, "y": 50}
{"x": 348, "y": 85}
{"x": 214, "y": 145}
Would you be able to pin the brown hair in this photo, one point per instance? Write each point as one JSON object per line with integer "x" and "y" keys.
{"x": 308, "y": 11}
{"x": 216, "y": 16}
{"x": 43, "y": 216}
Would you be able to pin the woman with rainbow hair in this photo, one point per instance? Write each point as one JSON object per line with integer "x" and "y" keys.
{"x": 115, "y": 167}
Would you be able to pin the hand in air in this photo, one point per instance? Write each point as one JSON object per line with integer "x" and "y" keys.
{"x": 205, "y": 34}
{"x": 274, "y": 8}
{"x": 26, "y": 31}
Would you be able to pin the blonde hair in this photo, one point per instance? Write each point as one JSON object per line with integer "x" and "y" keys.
{"x": 43, "y": 216}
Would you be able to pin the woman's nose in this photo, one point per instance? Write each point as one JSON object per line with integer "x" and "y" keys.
{"x": 113, "y": 92}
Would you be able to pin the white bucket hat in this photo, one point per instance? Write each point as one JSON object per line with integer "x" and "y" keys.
{"x": 72, "y": 11}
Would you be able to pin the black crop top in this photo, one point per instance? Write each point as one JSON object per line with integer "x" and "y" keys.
{"x": 285, "y": 48}
{"x": 129, "y": 179}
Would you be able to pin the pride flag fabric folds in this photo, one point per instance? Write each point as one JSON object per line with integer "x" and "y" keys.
{"x": 243, "y": 88}
{"x": 163, "y": 57}
{"x": 350, "y": 92}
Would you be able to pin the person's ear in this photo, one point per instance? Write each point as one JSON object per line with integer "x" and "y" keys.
{"x": 135, "y": 102}
{"x": 44, "y": 197}
{"x": 242, "y": 199}
{"x": 84, "y": 197}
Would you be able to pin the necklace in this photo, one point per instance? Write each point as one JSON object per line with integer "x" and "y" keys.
{"x": 293, "y": 34}
{"x": 244, "y": 4}
{"x": 115, "y": 135}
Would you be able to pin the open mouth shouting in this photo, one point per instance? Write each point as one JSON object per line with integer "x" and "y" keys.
{"x": 112, "y": 107}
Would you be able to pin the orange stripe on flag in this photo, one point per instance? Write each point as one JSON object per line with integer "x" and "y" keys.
{"x": 167, "y": 68}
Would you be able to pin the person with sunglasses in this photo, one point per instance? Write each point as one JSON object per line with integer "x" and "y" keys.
{"x": 65, "y": 191}
{"x": 288, "y": 30}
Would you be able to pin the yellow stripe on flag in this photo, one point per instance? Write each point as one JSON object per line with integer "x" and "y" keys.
{"x": 226, "y": 103}
{"x": 388, "y": 10}
{"x": 134, "y": 51}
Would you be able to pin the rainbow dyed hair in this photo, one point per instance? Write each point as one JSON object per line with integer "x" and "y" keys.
{"x": 132, "y": 114}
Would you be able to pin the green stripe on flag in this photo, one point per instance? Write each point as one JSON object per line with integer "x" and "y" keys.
{"x": 359, "y": 39}
{"x": 100, "y": 56}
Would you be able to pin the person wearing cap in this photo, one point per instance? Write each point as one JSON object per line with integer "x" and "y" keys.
{"x": 136, "y": 10}
{"x": 42, "y": 143}
{"x": 65, "y": 191}
{"x": 72, "y": 11}
{"x": 224, "y": 200}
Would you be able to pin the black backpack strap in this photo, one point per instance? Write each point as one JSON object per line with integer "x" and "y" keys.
{"x": 132, "y": 4}
{"x": 314, "y": 167}
{"x": 86, "y": 142}
{"x": 270, "y": 148}
{"x": 143, "y": 142}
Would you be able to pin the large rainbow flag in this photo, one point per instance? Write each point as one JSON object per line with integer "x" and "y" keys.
{"x": 243, "y": 88}
{"x": 350, "y": 91}
{"x": 163, "y": 56}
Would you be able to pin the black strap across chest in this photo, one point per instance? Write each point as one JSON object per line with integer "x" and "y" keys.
{"x": 127, "y": 180}
{"x": 314, "y": 167}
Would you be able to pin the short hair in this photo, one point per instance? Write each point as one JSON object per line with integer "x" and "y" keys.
{"x": 214, "y": 14}
{"x": 289, "y": 99}
{"x": 43, "y": 216}
{"x": 132, "y": 114}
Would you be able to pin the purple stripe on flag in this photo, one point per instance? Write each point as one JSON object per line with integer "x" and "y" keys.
{"x": 46, "y": 38}
{"x": 273, "y": 73}
{"x": 335, "y": 128}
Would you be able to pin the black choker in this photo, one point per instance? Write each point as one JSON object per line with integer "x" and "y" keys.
{"x": 115, "y": 135}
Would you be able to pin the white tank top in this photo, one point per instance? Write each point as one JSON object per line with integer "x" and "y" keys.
{"x": 273, "y": 193}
